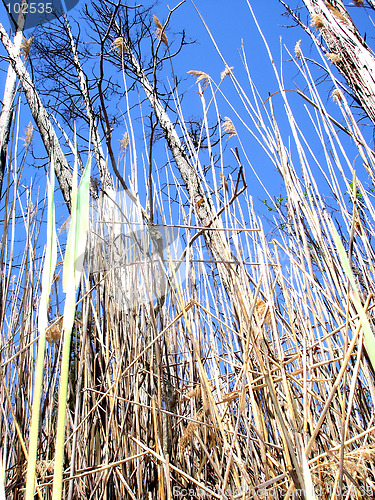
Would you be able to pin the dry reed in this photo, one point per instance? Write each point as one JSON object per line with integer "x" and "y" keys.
{"x": 218, "y": 385}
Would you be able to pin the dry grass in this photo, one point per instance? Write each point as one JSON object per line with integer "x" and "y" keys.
{"x": 242, "y": 368}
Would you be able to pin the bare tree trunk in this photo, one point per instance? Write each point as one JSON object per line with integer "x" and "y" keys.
{"x": 347, "y": 49}
{"x": 371, "y": 3}
{"x": 105, "y": 176}
{"x": 202, "y": 204}
{"x": 40, "y": 115}
{"x": 9, "y": 95}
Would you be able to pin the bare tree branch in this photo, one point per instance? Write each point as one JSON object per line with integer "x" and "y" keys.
{"x": 105, "y": 176}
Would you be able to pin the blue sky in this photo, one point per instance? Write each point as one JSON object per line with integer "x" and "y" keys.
{"x": 231, "y": 25}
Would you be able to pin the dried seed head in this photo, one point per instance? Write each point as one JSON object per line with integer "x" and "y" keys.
{"x": 124, "y": 143}
{"x": 159, "y": 31}
{"x": 358, "y": 3}
{"x": 297, "y": 49}
{"x": 25, "y": 46}
{"x": 229, "y": 127}
{"x": 201, "y": 76}
{"x": 189, "y": 432}
{"x": 354, "y": 462}
{"x": 53, "y": 333}
{"x": 366, "y": 452}
{"x": 195, "y": 393}
{"x": 334, "y": 58}
{"x": 260, "y": 308}
{"x": 224, "y": 182}
{"x": 65, "y": 226}
{"x": 28, "y": 135}
{"x": 337, "y": 95}
{"x": 227, "y": 71}
{"x": 336, "y": 12}
{"x": 317, "y": 21}
{"x": 119, "y": 45}
{"x": 44, "y": 467}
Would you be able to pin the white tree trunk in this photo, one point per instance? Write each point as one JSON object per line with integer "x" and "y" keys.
{"x": 347, "y": 49}
{"x": 202, "y": 204}
{"x": 41, "y": 118}
{"x": 9, "y": 95}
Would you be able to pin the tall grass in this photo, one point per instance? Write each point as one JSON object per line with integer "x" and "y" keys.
{"x": 259, "y": 389}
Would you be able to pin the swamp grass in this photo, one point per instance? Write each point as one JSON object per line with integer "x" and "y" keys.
{"x": 251, "y": 377}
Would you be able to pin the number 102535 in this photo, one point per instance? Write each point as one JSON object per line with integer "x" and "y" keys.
{"x": 30, "y": 8}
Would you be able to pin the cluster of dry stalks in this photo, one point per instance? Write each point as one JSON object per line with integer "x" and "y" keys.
{"x": 250, "y": 378}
